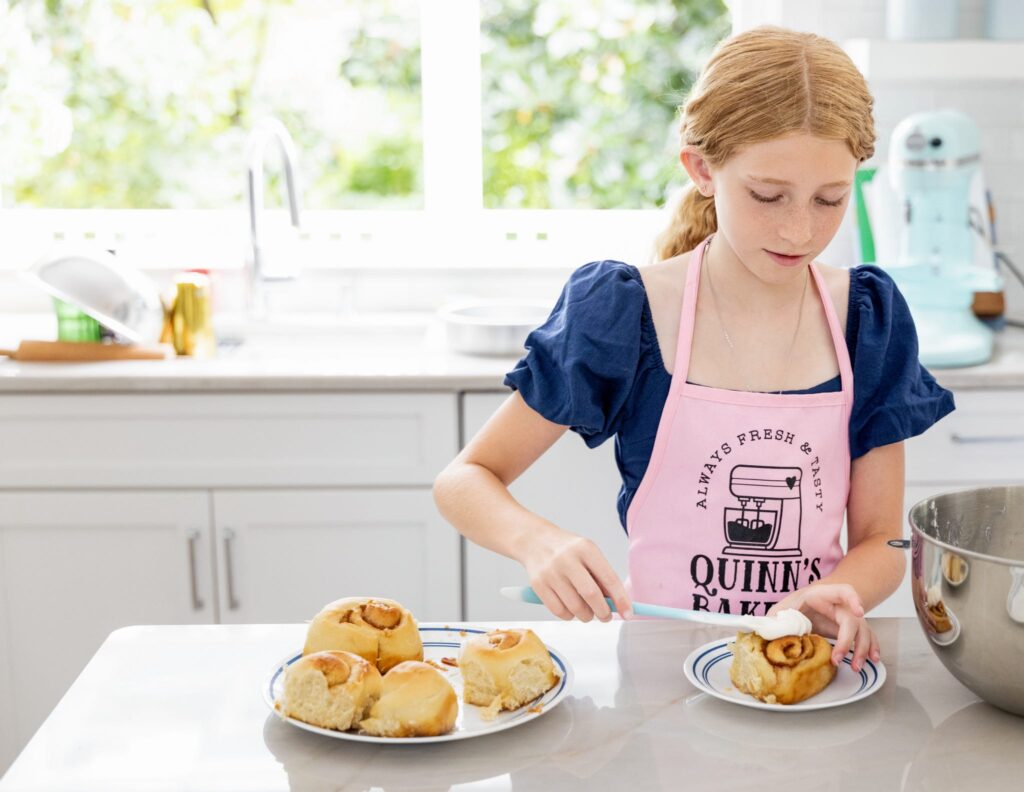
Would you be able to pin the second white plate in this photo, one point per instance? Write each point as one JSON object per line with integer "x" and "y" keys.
{"x": 707, "y": 667}
{"x": 439, "y": 642}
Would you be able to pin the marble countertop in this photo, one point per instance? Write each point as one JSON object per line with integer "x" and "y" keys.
{"x": 411, "y": 356}
{"x": 180, "y": 708}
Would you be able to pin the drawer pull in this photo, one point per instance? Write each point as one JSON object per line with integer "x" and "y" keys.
{"x": 956, "y": 437}
{"x": 193, "y": 538}
{"x": 229, "y": 536}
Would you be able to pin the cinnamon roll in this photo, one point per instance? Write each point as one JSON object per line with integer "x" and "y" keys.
{"x": 416, "y": 701}
{"x": 784, "y": 671}
{"x": 333, "y": 690}
{"x": 377, "y": 629}
{"x": 505, "y": 669}
{"x": 930, "y": 607}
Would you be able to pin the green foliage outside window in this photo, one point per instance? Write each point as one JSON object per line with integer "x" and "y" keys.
{"x": 580, "y": 97}
{"x": 162, "y": 94}
{"x": 147, "y": 103}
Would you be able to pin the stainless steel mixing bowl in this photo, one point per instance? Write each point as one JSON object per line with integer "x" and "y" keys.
{"x": 967, "y": 572}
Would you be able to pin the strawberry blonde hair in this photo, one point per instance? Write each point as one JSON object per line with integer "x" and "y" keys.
{"x": 762, "y": 84}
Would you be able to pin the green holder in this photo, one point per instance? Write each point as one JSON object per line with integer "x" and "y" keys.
{"x": 73, "y": 325}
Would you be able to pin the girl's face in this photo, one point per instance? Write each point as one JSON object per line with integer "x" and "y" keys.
{"x": 780, "y": 202}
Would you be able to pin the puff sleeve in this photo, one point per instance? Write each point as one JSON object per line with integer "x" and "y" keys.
{"x": 581, "y": 364}
{"x": 895, "y": 397}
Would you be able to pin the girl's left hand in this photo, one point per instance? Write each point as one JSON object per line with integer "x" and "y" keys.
{"x": 835, "y": 610}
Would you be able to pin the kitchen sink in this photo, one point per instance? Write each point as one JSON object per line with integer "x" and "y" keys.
{"x": 325, "y": 338}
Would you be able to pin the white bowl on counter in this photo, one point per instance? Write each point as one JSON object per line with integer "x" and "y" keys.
{"x": 491, "y": 327}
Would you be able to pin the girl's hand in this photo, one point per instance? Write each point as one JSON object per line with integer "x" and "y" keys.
{"x": 572, "y": 577}
{"x": 835, "y": 610}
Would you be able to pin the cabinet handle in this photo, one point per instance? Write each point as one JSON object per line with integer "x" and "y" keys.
{"x": 229, "y": 537}
{"x": 956, "y": 437}
{"x": 193, "y": 538}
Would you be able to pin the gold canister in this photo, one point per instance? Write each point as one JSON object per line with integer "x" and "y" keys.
{"x": 192, "y": 316}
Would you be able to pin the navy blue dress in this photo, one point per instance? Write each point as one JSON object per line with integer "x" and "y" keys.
{"x": 595, "y": 365}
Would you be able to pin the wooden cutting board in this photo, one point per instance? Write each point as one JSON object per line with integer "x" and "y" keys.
{"x": 85, "y": 351}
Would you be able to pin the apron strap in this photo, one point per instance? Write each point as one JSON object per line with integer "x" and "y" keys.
{"x": 687, "y": 318}
{"x": 838, "y": 335}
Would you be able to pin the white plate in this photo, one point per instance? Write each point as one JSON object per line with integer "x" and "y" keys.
{"x": 439, "y": 642}
{"x": 708, "y": 669}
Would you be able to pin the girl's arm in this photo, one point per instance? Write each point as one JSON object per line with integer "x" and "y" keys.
{"x": 874, "y": 515}
{"x": 568, "y": 572}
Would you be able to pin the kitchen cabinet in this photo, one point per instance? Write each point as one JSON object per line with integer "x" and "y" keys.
{"x": 76, "y": 565}
{"x": 282, "y": 554}
{"x": 211, "y": 440}
{"x": 150, "y": 508}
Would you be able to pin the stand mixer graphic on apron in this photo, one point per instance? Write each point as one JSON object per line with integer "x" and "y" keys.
{"x": 767, "y": 522}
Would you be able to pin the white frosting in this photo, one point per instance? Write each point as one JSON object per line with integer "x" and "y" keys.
{"x": 786, "y": 622}
{"x": 933, "y": 595}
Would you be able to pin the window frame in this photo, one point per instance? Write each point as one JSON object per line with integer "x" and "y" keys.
{"x": 453, "y": 230}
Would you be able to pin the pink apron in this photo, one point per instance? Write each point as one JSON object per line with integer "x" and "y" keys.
{"x": 744, "y": 497}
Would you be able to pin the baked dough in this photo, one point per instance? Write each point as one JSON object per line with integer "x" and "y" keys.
{"x": 416, "y": 701}
{"x": 931, "y": 607}
{"x": 938, "y": 617}
{"x": 954, "y": 568}
{"x": 377, "y": 629}
{"x": 505, "y": 669}
{"x": 784, "y": 671}
{"x": 333, "y": 690}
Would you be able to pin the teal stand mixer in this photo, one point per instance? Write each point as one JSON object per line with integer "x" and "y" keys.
{"x": 933, "y": 157}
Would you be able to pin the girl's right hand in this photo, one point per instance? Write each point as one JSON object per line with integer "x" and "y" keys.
{"x": 572, "y": 577}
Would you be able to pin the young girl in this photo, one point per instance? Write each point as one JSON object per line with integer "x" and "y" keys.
{"x": 756, "y": 397}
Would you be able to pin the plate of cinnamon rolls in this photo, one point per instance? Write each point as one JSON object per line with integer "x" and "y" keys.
{"x": 794, "y": 672}
{"x": 369, "y": 672}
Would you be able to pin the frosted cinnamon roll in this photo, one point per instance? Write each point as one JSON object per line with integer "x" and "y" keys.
{"x": 377, "y": 629}
{"x": 505, "y": 669}
{"x": 784, "y": 671}
{"x": 416, "y": 701}
{"x": 333, "y": 690}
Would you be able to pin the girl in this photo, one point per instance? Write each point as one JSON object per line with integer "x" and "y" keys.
{"x": 756, "y": 397}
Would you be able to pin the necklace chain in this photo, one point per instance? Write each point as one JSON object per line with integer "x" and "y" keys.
{"x": 728, "y": 338}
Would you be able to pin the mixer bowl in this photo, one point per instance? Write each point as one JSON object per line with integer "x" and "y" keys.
{"x": 967, "y": 569}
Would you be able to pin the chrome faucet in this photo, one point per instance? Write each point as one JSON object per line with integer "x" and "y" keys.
{"x": 267, "y": 131}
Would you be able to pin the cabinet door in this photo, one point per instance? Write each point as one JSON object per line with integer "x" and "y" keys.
{"x": 573, "y": 486}
{"x": 75, "y": 566}
{"x": 283, "y": 554}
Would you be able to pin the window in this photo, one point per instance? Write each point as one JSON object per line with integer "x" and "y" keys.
{"x": 475, "y": 117}
{"x": 129, "y": 104}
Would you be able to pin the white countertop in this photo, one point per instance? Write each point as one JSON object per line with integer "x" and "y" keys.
{"x": 409, "y": 356}
{"x": 161, "y": 708}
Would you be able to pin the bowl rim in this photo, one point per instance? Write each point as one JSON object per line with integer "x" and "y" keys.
{"x": 961, "y": 551}
{"x": 451, "y": 312}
